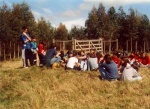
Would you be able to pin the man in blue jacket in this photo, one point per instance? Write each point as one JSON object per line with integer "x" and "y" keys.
{"x": 26, "y": 47}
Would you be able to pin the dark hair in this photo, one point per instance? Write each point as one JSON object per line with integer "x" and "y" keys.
{"x": 92, "y": 55}
{"x": 135, "y": 65}
{"x": 75, "y": 53}
{"x": 33, "y": 37}
{"x": 62, "y": 55}
{"x": 99, "y": 55}
{"x": 126, "y": 60}
{"x": 24, "y": 27}
{"x": 53, "y": 45}
{"x": 107, "y": 58}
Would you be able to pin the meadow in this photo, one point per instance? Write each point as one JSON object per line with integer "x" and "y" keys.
{"x": 42, "y": 88}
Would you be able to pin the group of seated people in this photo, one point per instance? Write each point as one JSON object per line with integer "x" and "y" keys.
{"x": 111, "y": 67}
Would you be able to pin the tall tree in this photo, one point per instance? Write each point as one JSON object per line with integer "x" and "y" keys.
{"x": 45, "y": 30}
{"x": 61, "y": 32}
{"x": 5, "y": 16}
{"x": 132, "y": 25}
{"x": 112, "y": 25}
{"x": 144, "y": 31}
{"x": 77, "y": 33}
{"x": 91, "y": 24}
{"x": 102, "y": 21}
{"x": 121, "y": 19}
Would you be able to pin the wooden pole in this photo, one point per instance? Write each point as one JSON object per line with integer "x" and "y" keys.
{"x": 127, "y": 45}
{"x": 144, "y": 46}
{"x": 89, "y": 46}
{"x": 63, "y": 46}
{"x": 131, "y": 44}
{"x": 117, "y": 43}
{"x": 0, "y": 50}
{"x": 104, "y": 47}
{"x": 101, "y": 42}
{"x": 18, "y": 51}
{"x": 14, "y": 51}
{"x": 136, "y": 46}
{"x": 109, "y": 46}
{"x": 74, "y": 44}
{"x": 53, "y": 40}
{"x": 4, "y": 53}
{"x": 10, "y": 48}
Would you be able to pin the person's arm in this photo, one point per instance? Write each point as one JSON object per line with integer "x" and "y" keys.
{"x": 29, "y": 39}
{"x": 82, "y": 57}
{"x": 58, "y": 54}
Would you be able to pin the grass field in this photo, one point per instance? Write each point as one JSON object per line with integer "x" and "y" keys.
{"x": 41, "y": 88}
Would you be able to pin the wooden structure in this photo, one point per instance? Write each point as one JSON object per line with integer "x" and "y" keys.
{"x": 12, "y": 50}
{"x": 97, "y": 44}
{"x": 110, "y": 45}
{"x": 86, "y": 45}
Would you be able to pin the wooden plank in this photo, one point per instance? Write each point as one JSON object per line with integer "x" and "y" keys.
{"x": 18, "y": 51}
{"x": 62, "y": 41}
{"x": 4, "y": 53}
{"x": 87, "y": 40}
{"x": 0, "y": 50}
{"x": 96, "y": 45}
{"x": 10, "y": 50}
{"x": 14, "y": 51}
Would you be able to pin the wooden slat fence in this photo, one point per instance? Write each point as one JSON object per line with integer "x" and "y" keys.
{"x": 98, "y": 44}
{"x": 10, "y": 50}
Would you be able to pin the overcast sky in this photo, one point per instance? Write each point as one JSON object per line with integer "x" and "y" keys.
{"x": 75, "y": 12}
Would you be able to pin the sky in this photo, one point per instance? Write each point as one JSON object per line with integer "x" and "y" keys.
{"x": 75, "y": 12}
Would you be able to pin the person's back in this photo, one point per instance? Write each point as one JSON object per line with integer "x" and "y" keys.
{"x": 52, "y": 56}
{"x": 108, "y": 68}
{"x": 50, "y": 53}
{"x": 130, "y": 74}
{"x": 92, "y": 62}
{"x": 112, "y": 69}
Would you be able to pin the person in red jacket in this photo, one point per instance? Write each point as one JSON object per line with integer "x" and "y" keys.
{"x": 116, "y": 59}
{"x": 41, "y": 52}
{"x": 145, "y": 60}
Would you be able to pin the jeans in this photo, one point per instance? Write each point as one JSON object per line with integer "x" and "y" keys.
{"x": 55, "y": 59}
{"x": 104, "y": 74}
{"x": 28, "y": 55}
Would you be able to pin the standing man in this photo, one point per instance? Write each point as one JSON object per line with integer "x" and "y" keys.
{"x": 26, "y": 50}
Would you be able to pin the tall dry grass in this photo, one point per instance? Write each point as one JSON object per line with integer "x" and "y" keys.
{"x": 41, "y": 88}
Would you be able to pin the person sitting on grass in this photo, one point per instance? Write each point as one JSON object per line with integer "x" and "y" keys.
{"x": 92, "y": 62}
{"x": 82, "y": 60}
{"x": 145, "y": 60}
{"x": 73, "y": 62}
{"x": 129, "y": 73}
{"x": 99, "y": 56}
{"x": 108, "y": 69}
{"x": 52, "y": 56}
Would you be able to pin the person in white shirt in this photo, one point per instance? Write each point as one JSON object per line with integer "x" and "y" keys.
{"x": 129, "y": 73}
{"x": 73, "y": 62}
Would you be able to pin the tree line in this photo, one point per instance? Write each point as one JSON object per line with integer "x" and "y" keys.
{"x": 109, "y": 25}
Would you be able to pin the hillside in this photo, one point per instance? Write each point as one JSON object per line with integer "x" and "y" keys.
{"x": 42, "y": 88}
